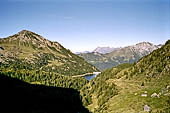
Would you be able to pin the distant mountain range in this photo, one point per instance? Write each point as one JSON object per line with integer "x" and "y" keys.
{"x": 118, "y": 56}
{"x": 82, "y": 52}
{"x": 33, "y": 69}
{"x": 104, "y": 50}
{"x": 28, "y": 50}
{"x": 141, "y": 87}
{"x": 101, "y": 50}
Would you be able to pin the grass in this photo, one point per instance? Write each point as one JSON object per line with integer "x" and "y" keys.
{"x": 129, "y": 99}
{"x": 54, "y": 63}
{"x": 94, "y": 105}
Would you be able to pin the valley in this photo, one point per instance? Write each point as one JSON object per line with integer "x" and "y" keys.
{"x": 84, "y": 56}
{"x": 142, "y": 85}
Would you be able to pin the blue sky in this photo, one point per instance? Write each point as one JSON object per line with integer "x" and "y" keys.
{"x": 81, "y": 25}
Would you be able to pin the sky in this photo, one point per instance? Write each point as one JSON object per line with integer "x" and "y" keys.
{"x": 83, "y": 25}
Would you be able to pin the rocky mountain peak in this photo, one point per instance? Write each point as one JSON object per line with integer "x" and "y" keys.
{"x": 32, "y": 40}
{"x": 104, "y": 50}
{"x": 26, "y": 36}
{"x": 36, "y": 52}
{"x": 144, "y": 44}
{"x": 24, "y": 32}
{"x": 143, "y": 48}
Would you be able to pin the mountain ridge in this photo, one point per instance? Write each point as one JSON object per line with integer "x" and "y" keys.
{"x": 37, "y": 52}
{"x": 128, "y": 54}
{"x": 145, "y": 83}
{"x": 104, "y": 50}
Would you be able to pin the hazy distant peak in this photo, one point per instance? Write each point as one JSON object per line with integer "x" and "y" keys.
{"x": 143, "y": 48}
{"x": 82, "y": 52}
{"x": 144, "y": 44}
{"x": 128, "y": 54}
{"x": 104, "y": 50}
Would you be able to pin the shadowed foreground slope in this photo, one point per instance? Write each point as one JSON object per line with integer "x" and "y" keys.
{"x": 17, "y": 97}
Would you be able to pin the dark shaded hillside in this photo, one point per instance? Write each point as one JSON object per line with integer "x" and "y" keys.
{"x": 43, "y": 78}
{"x": 17, "y": 97}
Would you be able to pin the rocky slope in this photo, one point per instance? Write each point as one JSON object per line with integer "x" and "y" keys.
{"x": 35, "y": 52}
{"x": 127, "y": 54}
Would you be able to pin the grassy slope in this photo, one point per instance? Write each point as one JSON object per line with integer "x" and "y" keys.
{"x": 39, "y": 53}
{"x": 150, "y": 74}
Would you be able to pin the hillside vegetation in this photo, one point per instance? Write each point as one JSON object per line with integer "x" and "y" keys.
{"x": 141, "y": 87}
{"x": 28, "y": 50}
{"x": 129, "y": 54}
{"x": 137, "y": 87}
{"x": 20, "y": 97}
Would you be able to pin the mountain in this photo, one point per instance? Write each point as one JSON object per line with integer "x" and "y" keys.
{"x": 82, "y": 52}
{"x": 138, "y": 50}
{"x": 160, "y": 45}
{"x": 142, "y": 87}
{"x": 29, "y": 58}
{"x": 127, "y": 54}
{"x": 104, "y": 50}
{"x": 28, "y": 50}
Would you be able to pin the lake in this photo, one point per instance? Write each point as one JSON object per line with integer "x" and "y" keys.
{"x": 89, "y": 77}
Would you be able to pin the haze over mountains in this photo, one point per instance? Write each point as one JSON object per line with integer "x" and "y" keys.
{"x": 106, "y": 57}
{"x": 101, "y": 50}
{"x": 38, "y": 69}
{"x": 104, "y": 50}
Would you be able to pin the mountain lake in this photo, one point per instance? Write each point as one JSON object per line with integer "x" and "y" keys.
{"x": 89, "y": 77}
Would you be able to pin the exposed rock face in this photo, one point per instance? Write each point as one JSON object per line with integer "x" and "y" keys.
{"x": 104, "y": 50}
{"x": 154, "y": 95}
{"x": 144, "y": 95}
{"x": 147, "y": 108}
{"x": 118, "y": 56}
{"x": 143, "y": 48}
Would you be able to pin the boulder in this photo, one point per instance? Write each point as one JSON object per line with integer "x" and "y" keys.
{"x": 154, "y": 95}
{"x": 144, "y": 95}
{"x": 147, "y": 108}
